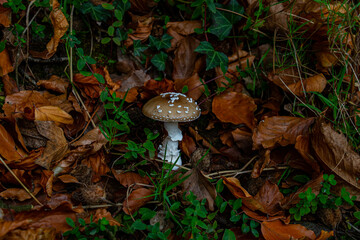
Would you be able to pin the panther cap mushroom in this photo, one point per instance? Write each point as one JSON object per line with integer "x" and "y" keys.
{"x": 171, "y": 108}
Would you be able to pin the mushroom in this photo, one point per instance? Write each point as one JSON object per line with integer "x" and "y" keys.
{"x": 171, "y": 108}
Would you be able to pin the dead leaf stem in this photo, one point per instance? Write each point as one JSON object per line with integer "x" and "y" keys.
{"x": 17, "y": 179}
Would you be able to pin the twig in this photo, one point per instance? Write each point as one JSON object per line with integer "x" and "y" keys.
{"x": 17, "y": 179}
{"x": 50, "y": 60}
{"x": 231, "y": 171}
{"x": 234, "y": 173}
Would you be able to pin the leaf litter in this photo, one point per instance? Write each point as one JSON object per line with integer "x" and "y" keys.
{"x": 53, "y": 153}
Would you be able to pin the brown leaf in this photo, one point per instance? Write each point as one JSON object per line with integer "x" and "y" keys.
{"x": 15, "y": 193}
{"x": 5, "y": 16}
{"x": 89, "y": 84}
{"x": 22, "y": 104}
{"x": 138, "y": 198}
{"x": 53, "y": 113}
{"x": 266, "y": 200}
{"x": 289, "y": 81}
{"x": 185, "y": 58}
{"x": 130, "y": 179}
{"x": 98, "y": 165}
{"x": 154, "y": 88}
{"x": 32, "y": 234}
{"x": 333, "y": 150}
{"x": 234, "y": 107}
{"x": 277, "y": 230}
{"x": 66, "y": 178}
{"x": 136, "y": 79}
{"x": 56, "y": 146}
{"x": 142, "y": 6}
{"x": 7, "y": 226}
{"x": 5, "y": 63}
{"x": 142, "y": 31}
{"x": 292, "y": 199}
{"x": 10, "y": 86}
{"x": 200, "y": 186}
{"x": 303, "y": 147}
{"x": 184, "y": 27}
{"x": 264, "y": 218}
{"x": 43, "y": 218}
{"x": 8, "y": 148}
{"x": 60, "y": 24}
{"x": 55, "y": 83}
{"x": 269, "y": 197}
{"x": 94, "y": 138}
{"x": 281, "y": 130}
{"x": 188, "y": 145}
{"x": 195, "y": 86}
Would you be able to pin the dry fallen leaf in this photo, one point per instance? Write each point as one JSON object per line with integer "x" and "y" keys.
{"x": 142, "y": 31}
{"x": 290, "y": 81}
{"x": 53, "y": 113}
{"x": 32, "y": 234}
{"x": 200, "y": 186}
{"x": 333, "y": 150}
{"x": 234, "y": 107}
{"x": 281, "y": 130}
{"x": 8, "y": 149}
{"x": 184, "y": 27}
{"x": 277, "y": 230}
{"x": 5, "y": 63}
{"x": 10, "y": 86}
{"x": 5, "y": 16}
{"x": 56, "y": 146}
{"x": 55, "y": 83}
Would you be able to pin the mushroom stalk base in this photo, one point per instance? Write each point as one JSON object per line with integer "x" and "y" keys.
{"x": 169, "y": 150}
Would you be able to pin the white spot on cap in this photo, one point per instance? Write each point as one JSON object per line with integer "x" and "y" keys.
{"x": 178, "y": 111}
{"x": 171, "y": 105}
{"x": 158, "y": 106}
{"x": 179, "y": 106}
{"x": 169, "y": 111}
{"x": 159, "y": 110}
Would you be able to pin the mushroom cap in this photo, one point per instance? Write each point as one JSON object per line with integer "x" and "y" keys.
{"x": 172, "y": 107}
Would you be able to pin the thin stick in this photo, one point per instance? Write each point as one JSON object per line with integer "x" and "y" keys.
{"x": 17, "y": 179}
{"x": 231, "y": 171}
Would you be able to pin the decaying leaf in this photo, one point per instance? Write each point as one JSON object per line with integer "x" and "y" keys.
{"x": 333, "y": 150}
{"x": 281, "y": 130}
{"x": 8, "y": 149}
{"x": 200, "y": 186}
{"x": 5, "y": 16}
{"x": 142, "y": 31}
{"x": 184, "y": 27}
{"x": 56, "y": 146}
{"x": 234, "y": 107}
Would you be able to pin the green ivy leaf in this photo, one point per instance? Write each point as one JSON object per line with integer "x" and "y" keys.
{"x": 98, "y": 13}
{"x": 165, "y": 42}
{"x": 107, "y": 6}
{"x": 235, "y": 7}
{"x": 159, "y": 61}
{"x": 138, "y": 48}
{"x": 213, "y": 58}
{"x": 70, "y": 222}
{"x": 111, "y": 31}
{"x": 221, "y": 26}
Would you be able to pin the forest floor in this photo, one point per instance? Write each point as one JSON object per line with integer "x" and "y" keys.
{"x": 273, "y": 155}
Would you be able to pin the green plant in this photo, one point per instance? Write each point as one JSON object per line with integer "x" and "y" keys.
{"x": 310, "y": 202}
{"x": 92, "y": 230}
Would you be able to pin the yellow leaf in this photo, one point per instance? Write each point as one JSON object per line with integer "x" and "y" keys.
{"x": 52, "y": 113}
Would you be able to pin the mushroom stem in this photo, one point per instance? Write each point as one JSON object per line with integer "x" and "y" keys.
{"x": 170, "y": 144}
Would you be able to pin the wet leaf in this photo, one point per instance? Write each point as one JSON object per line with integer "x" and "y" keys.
{"x": 8, "y": 149}
{"x": 281, "y": 130}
